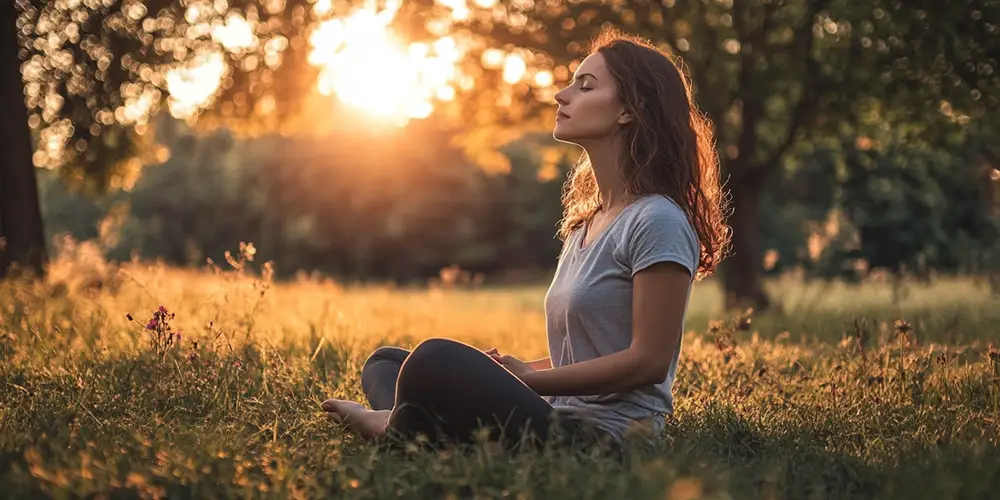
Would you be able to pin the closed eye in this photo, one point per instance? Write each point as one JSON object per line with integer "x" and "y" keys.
{"x": 582, "y": 79}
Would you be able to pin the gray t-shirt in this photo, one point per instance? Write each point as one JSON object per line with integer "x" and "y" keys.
{"x": 588, "y": 306}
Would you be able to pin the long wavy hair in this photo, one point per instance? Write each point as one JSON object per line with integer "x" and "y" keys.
{"x": 670, "y": 151}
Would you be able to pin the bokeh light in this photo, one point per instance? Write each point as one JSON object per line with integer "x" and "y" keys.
{"x": 360, "y": 59}
{"x": 192, "y": 54}
{"x": 192, "y": 86}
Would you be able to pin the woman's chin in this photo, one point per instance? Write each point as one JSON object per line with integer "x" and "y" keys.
{"x": 560, "y": 135}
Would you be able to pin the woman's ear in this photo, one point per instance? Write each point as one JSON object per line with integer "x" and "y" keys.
{"x": 628, "y": 113}
{"x": 625, "y": 117}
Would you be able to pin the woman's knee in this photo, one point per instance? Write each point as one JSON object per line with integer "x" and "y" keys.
{"x": 437, "y": 350}
{"x": 386, "y": 353}
{"x": 435, "y": 361}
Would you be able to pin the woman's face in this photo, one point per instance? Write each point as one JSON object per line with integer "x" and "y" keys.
{"x": 589, "y": 108}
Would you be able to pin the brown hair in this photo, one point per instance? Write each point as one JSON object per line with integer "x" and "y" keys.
{"x": 670, "y": 152}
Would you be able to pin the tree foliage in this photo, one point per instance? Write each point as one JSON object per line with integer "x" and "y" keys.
{"x": 777, "y": 77}
{"x": 776, "y": 74}
{"x": 918, "y": 209}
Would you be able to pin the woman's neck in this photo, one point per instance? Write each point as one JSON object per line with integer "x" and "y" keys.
{"x": 604, "y": 159}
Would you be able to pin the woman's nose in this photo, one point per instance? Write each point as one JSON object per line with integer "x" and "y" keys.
{"x": 561, "y": 97}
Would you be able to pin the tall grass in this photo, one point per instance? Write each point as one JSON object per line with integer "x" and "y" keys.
{"x": 846, "y": 393}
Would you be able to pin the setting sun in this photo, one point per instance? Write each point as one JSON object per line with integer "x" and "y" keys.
{"x": 361, "y": 61}
{"x": 368, "y": 67}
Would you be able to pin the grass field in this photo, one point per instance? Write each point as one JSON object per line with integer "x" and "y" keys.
{"x": 844, "y": 394}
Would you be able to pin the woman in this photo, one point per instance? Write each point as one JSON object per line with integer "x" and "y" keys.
{"x": 643, "y": 218}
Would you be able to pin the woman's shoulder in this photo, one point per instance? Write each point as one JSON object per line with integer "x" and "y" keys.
{"x": 659, "y": 230}
{"x": 658, "y": 209}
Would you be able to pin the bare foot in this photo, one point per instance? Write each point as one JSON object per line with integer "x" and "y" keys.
{"x": 368, "y": 423}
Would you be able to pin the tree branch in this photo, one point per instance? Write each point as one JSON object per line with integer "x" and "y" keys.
{"x": 713, "y": 47}
{"x": 805, "y": 109}
{"x": 752, "y": 104}
{"x": 766, "y": 25}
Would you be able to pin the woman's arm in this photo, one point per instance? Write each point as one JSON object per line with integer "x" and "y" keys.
{"x": 659, "y": 298}
{"x": 540, "y": 364}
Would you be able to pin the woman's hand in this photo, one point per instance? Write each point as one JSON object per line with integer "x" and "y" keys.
{"x": 519, "y": 368}
{"x": 516, "y": 366}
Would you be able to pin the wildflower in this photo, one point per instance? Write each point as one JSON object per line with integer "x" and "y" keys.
{"x": 902, "y": 326}
{"x": 743, "y": 321}
{"x": 993, "y": 353}
{"x": 152, "y": 324}
{"x": 178, "y": 334}
{"x": 247, "y": 250}
{"x": 162, "y": 310}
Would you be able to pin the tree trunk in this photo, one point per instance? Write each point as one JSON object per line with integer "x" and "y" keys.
{"x": 740, "y": 272}
{"x": 20, "y": 213}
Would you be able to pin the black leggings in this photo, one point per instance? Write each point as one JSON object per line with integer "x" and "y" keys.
{"x": 448, "y": 390}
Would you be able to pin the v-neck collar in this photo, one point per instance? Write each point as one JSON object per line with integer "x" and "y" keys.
{"x": 583, "y": 246}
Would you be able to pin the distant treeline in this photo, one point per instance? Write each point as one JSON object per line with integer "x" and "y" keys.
{"x": 366, "y": 205}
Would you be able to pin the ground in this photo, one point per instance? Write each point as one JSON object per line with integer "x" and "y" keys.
{"x": 845, "y": 393}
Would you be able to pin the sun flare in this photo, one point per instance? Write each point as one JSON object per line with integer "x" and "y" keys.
{"x": 361, "y": 61}
{"x": 368, "y": 67}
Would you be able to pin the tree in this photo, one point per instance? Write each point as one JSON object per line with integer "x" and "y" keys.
{"x": 21, "y": 233}
{"x": 777, "y": 73}
{"x": 95, "y": 72}
{"x": 915, "y": 207}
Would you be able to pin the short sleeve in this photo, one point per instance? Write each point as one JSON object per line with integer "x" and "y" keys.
{"x": 662, "y": 233}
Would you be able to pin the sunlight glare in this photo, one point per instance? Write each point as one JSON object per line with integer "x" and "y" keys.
{"x": 544, "y": 78}
{"x": 360, "y": 60}
{"x": 138, "y": 109}
{"x": 459, "y": 8}
{"x": 514, "y": 68}
{"x": 368, "y": 67}
{"x": 492, "y": 58}
{"x": 236, "y": 34}
{"x": 322, "y": 7}
{"x": 446, "y": 93}
{"x": 193, "y": 86}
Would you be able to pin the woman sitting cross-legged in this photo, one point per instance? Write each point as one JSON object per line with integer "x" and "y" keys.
{"x": 643, "y": 219}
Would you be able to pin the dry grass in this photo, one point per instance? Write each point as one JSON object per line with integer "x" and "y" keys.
{"x": 836, "y": 407}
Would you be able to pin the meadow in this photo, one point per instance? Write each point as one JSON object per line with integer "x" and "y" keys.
{"x": 846, "y": 391}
